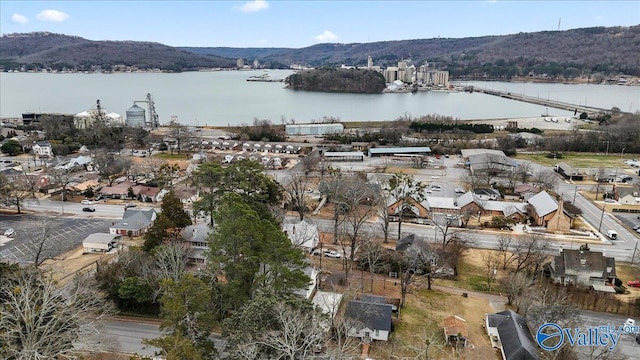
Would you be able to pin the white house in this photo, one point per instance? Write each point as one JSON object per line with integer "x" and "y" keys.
{"x": 309, "y": 291}
{"x": 42, "y": 148}
{"x": 302, "y": 234}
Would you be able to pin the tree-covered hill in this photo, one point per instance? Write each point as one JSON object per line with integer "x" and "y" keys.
{"x": 337, "y": 80}
{"x": 47, "y": 50}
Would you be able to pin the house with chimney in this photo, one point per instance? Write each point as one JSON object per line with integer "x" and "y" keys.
{"x": 302, "y": 235}
{"x": 545, "y": 211}
{"x": 584, "y": 268}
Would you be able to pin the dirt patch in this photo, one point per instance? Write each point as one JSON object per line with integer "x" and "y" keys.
{"x": 65, "y": 266}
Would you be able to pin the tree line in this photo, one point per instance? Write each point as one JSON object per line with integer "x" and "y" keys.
{"x": 337, "y": 80}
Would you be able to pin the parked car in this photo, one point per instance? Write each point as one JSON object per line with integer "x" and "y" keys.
{"x": 130, "y": 206}
{"x": 86, "y": 202}
{"x": 633, "y": 283}
{"x": 459, "y": 191}
{"x": 435, "y": 177}
{"x": 636, "y": 227}
{"x": 88, "y": 209}
{"x": 332, "y": 254}
{"x": 9, "y": 233}
{"x": 630, "y": 322}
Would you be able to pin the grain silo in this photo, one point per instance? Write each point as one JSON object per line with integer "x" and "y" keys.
{"x": 135, "y": 116}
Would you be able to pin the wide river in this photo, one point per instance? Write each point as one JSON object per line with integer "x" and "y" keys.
{"x": 226, "y": 98}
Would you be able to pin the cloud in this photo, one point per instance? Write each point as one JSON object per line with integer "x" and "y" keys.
{"x": 19, "y": 19}
{"x": 326, "y": 36}
{"x": 253, "y": 6}
{"x": 52, "y": 15}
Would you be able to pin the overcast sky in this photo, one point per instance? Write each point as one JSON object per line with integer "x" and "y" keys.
{"x": 299, "y": 24}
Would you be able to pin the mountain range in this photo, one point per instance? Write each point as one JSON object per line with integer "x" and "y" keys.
{"x": 604, "y": 50}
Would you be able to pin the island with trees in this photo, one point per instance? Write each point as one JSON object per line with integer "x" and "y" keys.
{"x": 337, "y": 80}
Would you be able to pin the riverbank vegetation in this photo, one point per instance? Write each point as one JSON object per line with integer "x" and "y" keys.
{"x": 337, "y": 80}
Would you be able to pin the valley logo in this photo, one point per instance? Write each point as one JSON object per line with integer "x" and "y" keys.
{"x": 551, "y": 336}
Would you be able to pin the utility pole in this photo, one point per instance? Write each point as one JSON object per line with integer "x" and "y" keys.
{"x": 575, "y": 191}
{"x": 601, "y": 216}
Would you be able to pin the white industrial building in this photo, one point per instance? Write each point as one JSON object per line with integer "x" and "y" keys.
{"x": 314, "y": 129}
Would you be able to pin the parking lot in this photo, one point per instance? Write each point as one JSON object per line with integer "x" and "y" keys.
{"x": 64, "y": 234}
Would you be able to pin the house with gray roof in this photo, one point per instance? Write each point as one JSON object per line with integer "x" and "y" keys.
{"x": 135, "y": 222}
{"x": 545, "y": 211}
{"x": 197, "y": 242}
{"x": 302, "y": 235}
{"x": 584, "y": 268}
{"x": 369, "y": 320}
{"x": 509, "y": 332}
{"x": 568, "y": 172}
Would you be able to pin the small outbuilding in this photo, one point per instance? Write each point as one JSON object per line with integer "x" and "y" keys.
{"x": 100, "y": 242}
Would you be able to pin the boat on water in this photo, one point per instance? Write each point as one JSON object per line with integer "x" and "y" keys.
{"x": 264, "y": 78}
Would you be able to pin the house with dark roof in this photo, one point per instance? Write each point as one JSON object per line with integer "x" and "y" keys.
{"x": 135, "y": 222}
{"x": 509, "y": 332}
{"x": 568, "y": 172}
{"x": 584, "y": 268}
{"x": 411, "y": 240}
{"x": 369, "y": 318}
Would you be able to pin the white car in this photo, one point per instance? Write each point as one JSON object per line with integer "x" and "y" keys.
{"x": 9, "y": 233}
{"x": 332, "y": 254}
{"x": 86, "y": 202}
{"x": 435, "y": 177}
{"x": 630, "y": 322}
{"x": 459, "y": 191}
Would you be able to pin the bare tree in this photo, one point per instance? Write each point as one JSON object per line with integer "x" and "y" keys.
{"x": 40, "y": 245}
{"x": 299, "y": 333}
{"x": 171, "y": 260}
{"x": 371, "y": 254}
{"x": 333, "y": 189}
{"x": 360, "y": 200}
{"x": 384, "y": 219}
{"x": 490, "y": 262}
{"x": 40, "y": 321}
{"x": 515, "y": 285}
{"x": 296, "y": 187}
{"x": 530, "y": 250}
{"x": 14, "y": 192}
{"x": 545, "y": 180}
{"x": 504, "y": 244}
{"x": 416, "y": 261}
{"x": 109, "y": 167}
{"x": 456, "y": 248}
{"x": 406, "y": 190}
{"x": 62, "y": 178}
{"x": 429, "y": 344}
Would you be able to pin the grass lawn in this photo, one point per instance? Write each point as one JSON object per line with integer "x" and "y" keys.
{"x": 580, "y": 160}
{"x": 422, "y": 318}
{"x": 471, "y": 275}
{"x": 169, "y": 156}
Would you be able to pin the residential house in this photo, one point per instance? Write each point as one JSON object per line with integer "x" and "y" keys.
{"x": 187, "y": 194}
{"x": 487, "y": 194}
{"x": 493, "y": 162}
{"x": 371, "y": 318}
{"x": 545, "y": 211}
{"x": 509, "y": 332}
{"x": 117, "y": 191}
{"x": 146, "y": 193}
{"x": 526, "y": 191}
{"x": 410, "y": 240}
{"x": 455, "y": 330}
{"x": 309, "y": 292}
{"x": 328, "y": 302}
{"x": 196, "y": 241}
{"x": 302, "y": 235}
{"x": 471, "y": 204}
{"x": 627, "y": 195}
{"x": 585, "y": 268}
{"x": 440, "y": 205}
{"x": 42, "y": 148}
{"x": 568, "y": 172}
{"x": 410, "y": 208}
{"x": 135, "y": 222}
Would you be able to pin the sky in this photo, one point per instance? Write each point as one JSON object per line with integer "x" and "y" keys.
{"x": 297, "y": 24}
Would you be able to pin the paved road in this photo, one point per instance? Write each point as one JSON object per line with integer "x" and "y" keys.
{"x": 127, "y": 335}
{"x": 107, "y": 211}
{"x": 626, "y": 346}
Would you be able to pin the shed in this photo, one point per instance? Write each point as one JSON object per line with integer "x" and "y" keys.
{"x": 100, "y": 242}
{"x": 419, "y": 150}
{"x": 344, "y": 156}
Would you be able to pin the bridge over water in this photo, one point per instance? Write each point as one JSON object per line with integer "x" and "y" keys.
{"x": 590, "y": 110}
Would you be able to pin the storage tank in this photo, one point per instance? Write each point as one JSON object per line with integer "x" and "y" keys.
{"x": 135, "y": 116}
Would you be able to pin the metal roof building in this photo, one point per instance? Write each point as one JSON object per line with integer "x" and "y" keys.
{"x": 314, "y": 129}
{"x": 344, "y": 156}
{"x": 420, "y": 150}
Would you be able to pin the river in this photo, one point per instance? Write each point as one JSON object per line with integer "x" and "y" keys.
{"x": 226, "y": 98}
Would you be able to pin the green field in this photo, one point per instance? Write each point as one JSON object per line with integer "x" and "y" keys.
{"x": 580, "y": 160}
{"x": 169, "y": 156}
